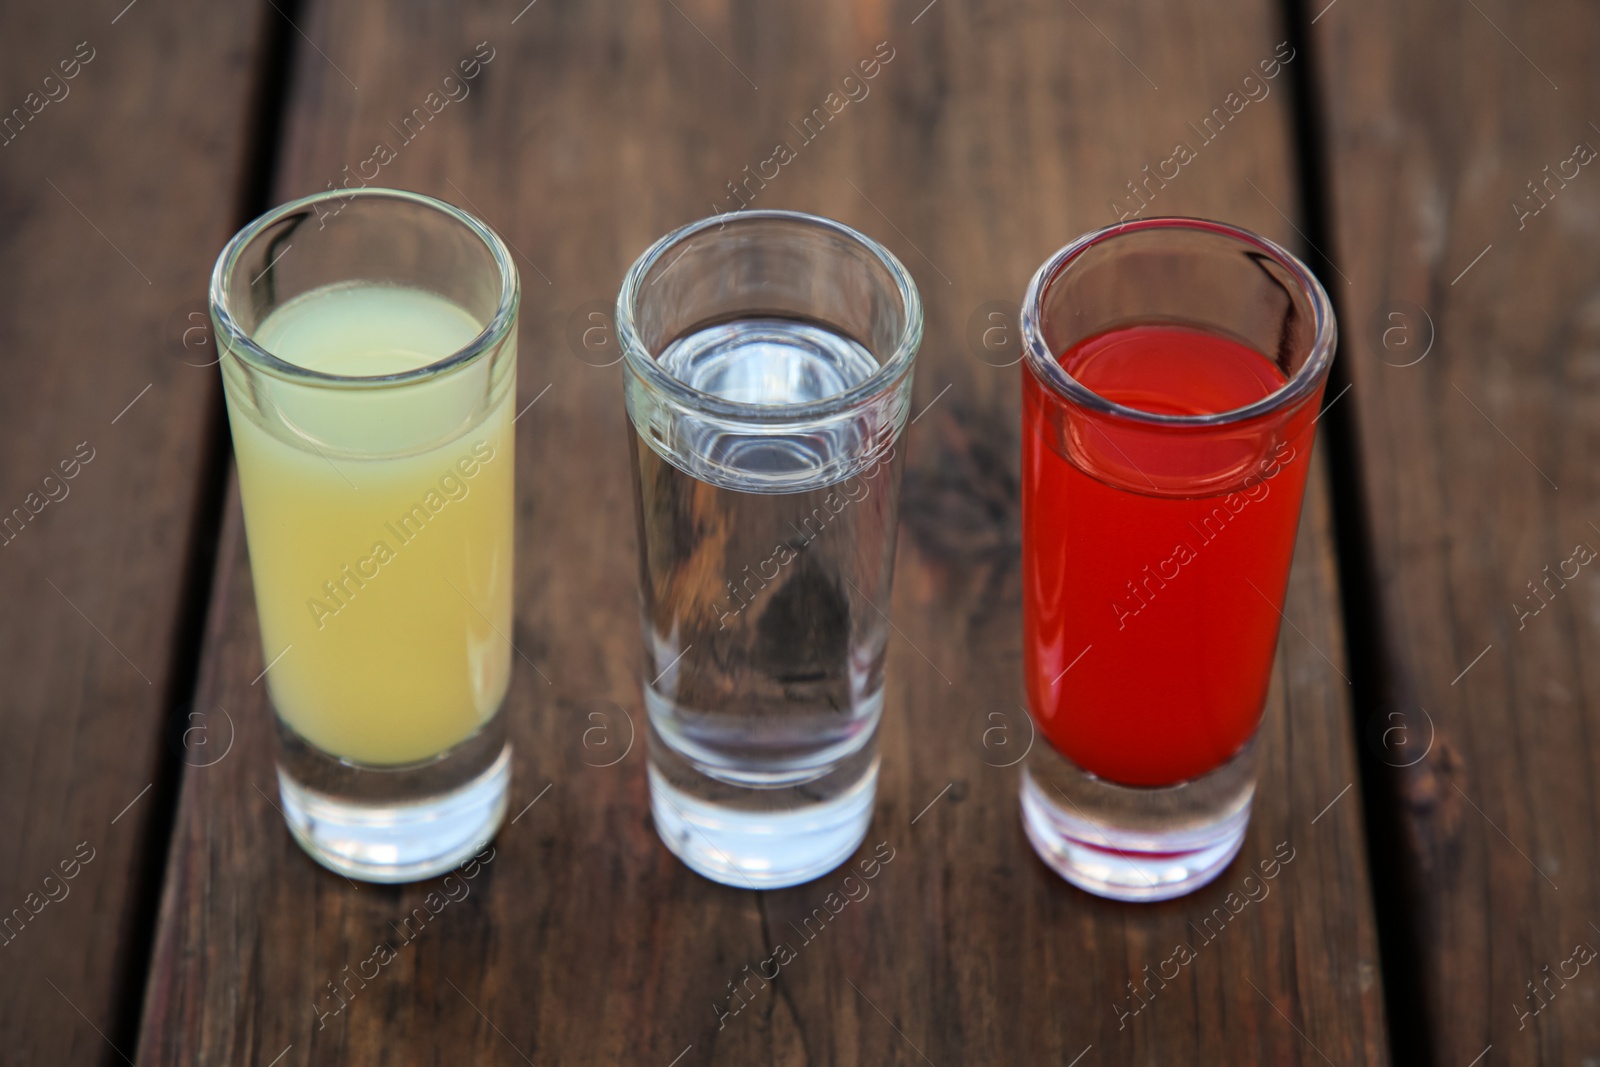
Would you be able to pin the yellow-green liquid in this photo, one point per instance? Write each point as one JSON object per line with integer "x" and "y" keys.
{"x": 379, "y": 523}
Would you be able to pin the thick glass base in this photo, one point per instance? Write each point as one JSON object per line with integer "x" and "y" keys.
{"x": 763, "y": 836}
{"x": 1129, "y": 843}
{"x": 395, "y": 824}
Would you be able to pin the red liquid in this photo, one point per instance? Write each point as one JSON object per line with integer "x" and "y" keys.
{"x": 1175, "y": 599}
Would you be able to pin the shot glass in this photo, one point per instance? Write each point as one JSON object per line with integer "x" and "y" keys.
{"x": 1173, "y": 369}
{"x": 767, "y": 374}
{"x": 368, "y": 350}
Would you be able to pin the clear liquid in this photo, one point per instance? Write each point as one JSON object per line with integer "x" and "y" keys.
{"x": 762, "y": 589}
{"x": 765, "y": 362}
{"x": 768, "y": 361}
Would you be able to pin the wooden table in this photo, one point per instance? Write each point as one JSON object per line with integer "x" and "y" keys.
{"x": 1432, "y": 737}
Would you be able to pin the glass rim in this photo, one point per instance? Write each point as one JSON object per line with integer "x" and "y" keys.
{"x": 1047, "y": 367}
{"x": 241, "y": 344}
{"x": 644, "y": 363}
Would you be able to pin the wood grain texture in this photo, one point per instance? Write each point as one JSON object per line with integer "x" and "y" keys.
{"x": 122, "y": 146}
{"x": 1478, "y": 475}
{"x": 994, "y": 134}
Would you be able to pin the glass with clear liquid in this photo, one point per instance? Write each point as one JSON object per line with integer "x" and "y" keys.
{"x": 768, "y": 367}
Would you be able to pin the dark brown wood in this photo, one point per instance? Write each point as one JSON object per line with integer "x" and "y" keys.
{"x": 993, "y": 135}
{"x": 1478, "y": 478}
{"x": 123, "y": 135}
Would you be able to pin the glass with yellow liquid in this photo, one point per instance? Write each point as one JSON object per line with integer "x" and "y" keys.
{"x": 368, "y": 353}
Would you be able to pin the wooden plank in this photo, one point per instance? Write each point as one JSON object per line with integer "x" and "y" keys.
{"x": 122, "y": 151}
{"x": 989, "y": 136}
{"x": 1478, "y": 481}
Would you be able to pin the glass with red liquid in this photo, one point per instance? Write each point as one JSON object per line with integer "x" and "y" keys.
{"x": 1173, "y": 369}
